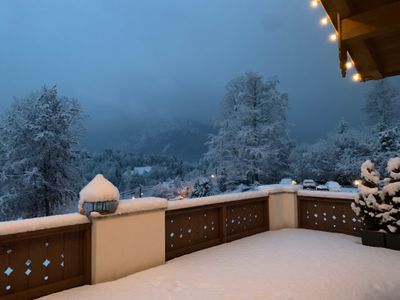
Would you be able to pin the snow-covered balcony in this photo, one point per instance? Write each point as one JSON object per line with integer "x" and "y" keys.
{"x": 253, "y": 245}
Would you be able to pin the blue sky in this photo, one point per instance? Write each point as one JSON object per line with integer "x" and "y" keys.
{"x": 134, "y": 61}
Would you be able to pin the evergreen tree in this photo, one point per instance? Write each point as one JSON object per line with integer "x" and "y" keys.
{"x": 391, "y": 195}
{"x": 253, "y": 135}
{"x": 40, "y": 142}
{"x": 366, "y": 206}
{"x": 383, "y": 105}
{"x": 202, "y": 188}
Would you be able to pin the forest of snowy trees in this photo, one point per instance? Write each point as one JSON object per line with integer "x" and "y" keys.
{"x": 43, "y": 166}
{"x": 340, "y": 155}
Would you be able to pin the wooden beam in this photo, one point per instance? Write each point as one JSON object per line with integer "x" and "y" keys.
{"x": 365, "y": 60}
{"x": 342, "y": 47}
{"x": 382, "y": 20}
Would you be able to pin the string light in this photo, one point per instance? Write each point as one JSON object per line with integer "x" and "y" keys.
{"x": 324, "y": 21}
{"x": 314, "y": 3}
{"x": 333, "y": 37}
{"x": 356, "y": 77}
{"x": 349, "y": 65}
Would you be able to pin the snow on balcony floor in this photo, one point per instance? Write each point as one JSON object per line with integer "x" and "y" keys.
{"x": 290, "y": 264}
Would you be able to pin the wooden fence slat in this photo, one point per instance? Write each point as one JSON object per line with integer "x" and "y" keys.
{"x": 17, "y": 261}
{"x": 38, "y": 256}
{"x": 73, "y": 254}
{"x": 55, "y": 270}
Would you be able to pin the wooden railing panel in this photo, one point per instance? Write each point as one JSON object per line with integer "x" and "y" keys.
{"x": 246, "y": 219}
{"x": 34, "y": 264}
{"x": 327, "y": 214}
{"x": 193, "y": 229}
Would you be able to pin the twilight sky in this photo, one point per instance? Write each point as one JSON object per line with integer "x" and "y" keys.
{"x": 128, "y": 60}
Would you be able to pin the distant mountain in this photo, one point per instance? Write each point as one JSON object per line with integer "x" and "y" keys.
{"x": 182, "y": 139}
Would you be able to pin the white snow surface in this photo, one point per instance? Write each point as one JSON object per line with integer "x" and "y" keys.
{"x": 392, "y": 188}
{"x": 27, "y": 225}
{"x": 393, "y": 164}
{"x": 263, "y": 191}
{"x": 289, "y": 264}
{"x": 135, "y": 206}
{"x": 327, "y": 194}
{"x": 99, "y": 190}
{"x": 369, "y": 173}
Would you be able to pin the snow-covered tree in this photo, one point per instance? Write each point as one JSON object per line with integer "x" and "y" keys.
{"x": 253, "y": 135}
{"x": 40, "y": 143}
{"x": 383, "y": 105}
{"x": 336, "y": 157}
{"x": 391, "y": 196}
{"x": 202, "y": 188}
{"x": 367, "y": 205}
{"x": 350, "y": 148}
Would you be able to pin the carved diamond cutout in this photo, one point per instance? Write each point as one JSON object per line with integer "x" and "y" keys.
{"x": 9, "y": 251}
{"x": 28, "y": 262}
{"x": 8, "y": 271}
{"x": 28, "y": 272}
{"x": 62, "y": 255}
{"x": 46, "y": 263}
{"x": 62, "y": 264}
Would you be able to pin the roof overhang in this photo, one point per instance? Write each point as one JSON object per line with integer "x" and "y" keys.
{"x": 369, "y": 31}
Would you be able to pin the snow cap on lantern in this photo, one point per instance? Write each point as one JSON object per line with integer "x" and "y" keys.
{"x": 101, "y": 194}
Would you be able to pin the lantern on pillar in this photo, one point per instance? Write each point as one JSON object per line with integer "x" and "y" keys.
{"x": 99, "y": 195}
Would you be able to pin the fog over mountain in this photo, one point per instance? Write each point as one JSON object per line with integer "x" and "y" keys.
{"x": 135, "y": 64}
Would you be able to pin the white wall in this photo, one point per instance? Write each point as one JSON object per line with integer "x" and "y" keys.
{"x": 123, "y": 244}
{"x": 283, "y": 210}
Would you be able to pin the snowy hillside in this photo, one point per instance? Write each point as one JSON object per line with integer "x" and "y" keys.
{"x": 182, "y": 139}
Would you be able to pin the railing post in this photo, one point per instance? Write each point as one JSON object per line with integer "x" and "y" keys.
{"x": 87, "y": 253}
{"x": 222, "y": 222}
{"x": 266, "y": 213}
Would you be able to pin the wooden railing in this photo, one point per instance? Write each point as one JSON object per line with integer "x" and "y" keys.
{"x": 327, "y": 214}
{"x": 34, "y": 264}
{"x": 193, "y": 229}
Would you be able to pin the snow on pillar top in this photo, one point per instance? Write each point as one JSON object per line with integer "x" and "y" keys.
{"x": 99, "y": 190}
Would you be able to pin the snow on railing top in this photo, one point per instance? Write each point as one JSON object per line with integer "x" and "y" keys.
{"x": 262, "y": 192}
{"x": 34, "y": 224}
{"x": 326, "y": 194}
{"x": 135, "y": 206}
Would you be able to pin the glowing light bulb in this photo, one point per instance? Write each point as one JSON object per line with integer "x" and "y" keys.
{"x": 333, "y": 37}
{"x": 324, "y": 21}
{"x": 314, "y": 3}
{"x": 356, "y": 77}
{"x": 349, "y": 65}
